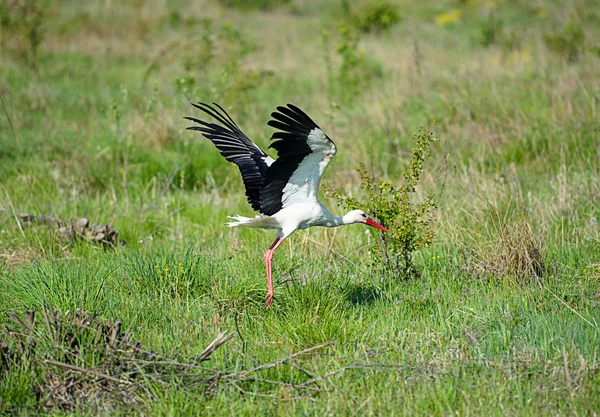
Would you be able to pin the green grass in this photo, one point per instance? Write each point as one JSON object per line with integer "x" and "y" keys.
{"x": 98, "y": 132}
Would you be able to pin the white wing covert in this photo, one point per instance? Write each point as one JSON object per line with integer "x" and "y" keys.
{"x": 304, "y": 152}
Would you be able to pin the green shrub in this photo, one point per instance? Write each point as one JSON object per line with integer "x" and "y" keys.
{"x": 211, "y": 63}
{"x": 410, "y": 222}
{"x": 376, "y": 17}
{"x": 24, "y": 22}
{"x": 352, "y": 58}
{"x": 186, "y": 86}
{"x": 264, "y": 5}
{"x": 512, "y": 40}
{"x": 568, "y": 42}
{"x": 355, "y": 72}
{"x": 491, "y": 30}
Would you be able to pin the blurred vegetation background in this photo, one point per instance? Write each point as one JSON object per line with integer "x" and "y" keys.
{"x": 107, "y": 203}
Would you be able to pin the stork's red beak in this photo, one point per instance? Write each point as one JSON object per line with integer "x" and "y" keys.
{"x": 376, "y": 225}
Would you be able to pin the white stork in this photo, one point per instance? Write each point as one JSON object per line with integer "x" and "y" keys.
{"x": 283, "y": 191}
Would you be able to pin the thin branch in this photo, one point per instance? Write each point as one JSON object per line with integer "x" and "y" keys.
{"x": 87, "y": 371}
{"x": 379, "y": 366}
{"x": 167, "y": 184}
{"x": 172, "y": 363}
{"x": 593, "y": 325}
{"x": 281, "y": 383}
{"x": 341, "y": 255}
{"x": 279, "y": 361}
{"x": 272, "y": 396}
{"x": 12, "y": 129}
{"x": 47, "y": 321}
{"x": 215, "y": 344}
{"x": 32, "y": 195}
{"x": 443, "y": 188}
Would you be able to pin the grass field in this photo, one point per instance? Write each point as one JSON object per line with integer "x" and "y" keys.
{"x": 504, "y": 316}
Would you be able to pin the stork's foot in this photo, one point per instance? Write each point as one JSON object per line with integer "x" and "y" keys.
{"x": 269, "y": 300}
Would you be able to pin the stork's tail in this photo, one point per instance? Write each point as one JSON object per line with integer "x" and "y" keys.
{"x": 239, "y": 221}
{"x": 263, "y": 222}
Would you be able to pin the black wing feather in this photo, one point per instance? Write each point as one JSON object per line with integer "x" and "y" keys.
{"x": 235, "y": 147}
{"x": 291, "y": 145}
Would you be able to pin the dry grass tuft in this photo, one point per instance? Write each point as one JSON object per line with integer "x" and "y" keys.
{"x": 17, "y": 256}
{"x": 504, "y": 244}
{"x": 520, "y": 250}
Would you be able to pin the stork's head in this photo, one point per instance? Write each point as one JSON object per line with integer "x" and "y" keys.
{"x": 359, "y": 216}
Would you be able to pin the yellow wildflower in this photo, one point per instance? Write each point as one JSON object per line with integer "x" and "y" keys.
{"x": 453, "y": 16}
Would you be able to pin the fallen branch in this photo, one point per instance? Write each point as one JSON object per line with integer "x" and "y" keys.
{"x": 214, "y": 345}
{"x": 121, "y": 364}
{"x": 87, "y": 371}
{"x": 279, "y": 361}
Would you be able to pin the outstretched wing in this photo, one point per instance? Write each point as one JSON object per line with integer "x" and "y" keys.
{"x": 235, "y": 147}
{"x": 304, "y": 152}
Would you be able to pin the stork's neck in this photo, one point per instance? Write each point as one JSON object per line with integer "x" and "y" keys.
{"x": 335, "y": 221}
{"x": 338, "y": 221}
{"x": 329, "y": 220}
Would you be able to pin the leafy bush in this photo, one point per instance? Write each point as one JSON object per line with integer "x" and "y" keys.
{"x": 24, "y": 20}
{"x": 569, "y": 42}
{"x": 512, "y": 40}
{"x": 356, "y": 70}
{"x": 214, "y": 56}
{"x": 376, "y": 17}
{"x": 265, "y": 5}
{"x": 491, "y": 30}
{"x": 186, "y": 86}
{"x": 410, "y": 222}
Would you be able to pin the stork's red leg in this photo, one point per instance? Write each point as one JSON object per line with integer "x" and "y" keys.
{"x": 267, "y": 258}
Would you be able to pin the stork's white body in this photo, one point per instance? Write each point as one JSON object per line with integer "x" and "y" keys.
{"x": 288, "y": 220}
{"x": 284, "y": 191}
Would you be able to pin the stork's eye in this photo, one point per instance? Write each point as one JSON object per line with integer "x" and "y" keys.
{"x": 364, "y": 215}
